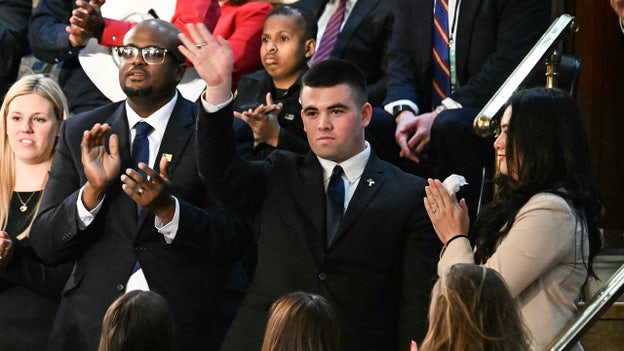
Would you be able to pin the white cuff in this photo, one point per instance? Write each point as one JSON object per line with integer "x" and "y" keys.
{"x": 170, "y": 229}
{"x": 389, "y": 107}
{"x": 85, "y": 217}
{"x": 210, "y": 108}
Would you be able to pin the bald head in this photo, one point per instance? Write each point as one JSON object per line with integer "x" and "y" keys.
{"x": 166, "y": 32}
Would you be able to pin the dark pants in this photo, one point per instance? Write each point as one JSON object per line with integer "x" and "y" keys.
{"x": 453, "y": 148}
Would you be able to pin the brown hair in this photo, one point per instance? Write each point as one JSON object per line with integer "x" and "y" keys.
{"x": 137, "y": 321}
{"x": 472, "y": 310}
{"x": 301, "y": 321}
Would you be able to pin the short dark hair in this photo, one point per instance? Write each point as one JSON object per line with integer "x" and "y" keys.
{"x": 334, "y": 72}
{"x": 303, "y": 17}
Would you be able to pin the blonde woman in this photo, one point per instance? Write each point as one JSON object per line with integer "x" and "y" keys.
{"x": 472, "y": 310}
{"x": 32, "y": 113}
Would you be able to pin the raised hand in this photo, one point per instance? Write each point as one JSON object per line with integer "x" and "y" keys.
{"x": 449, "y": 217}
{"x": 153, "y": 193}
{"x": 85, "y": 23}
{"x": 263, "y": 122}
{"x": 213, "y": 60}
{"x": 100, "y": 167}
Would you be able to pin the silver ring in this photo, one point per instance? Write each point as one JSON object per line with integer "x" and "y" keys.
{"x": 434, "y": 209}
{"x": 200, "y": 45}
{"x": 140, "y": 191}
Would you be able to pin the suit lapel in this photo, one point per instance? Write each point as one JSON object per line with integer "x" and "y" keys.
{"x": 357, "y": 15}
{"x": 122, "y": 203}
{"x": 119, "y": 126}
{"x": 179, "y": 130}
{"x": 371, "y": 182}
{"x": 177, "y": 136}
{"x": 465, "y": 25}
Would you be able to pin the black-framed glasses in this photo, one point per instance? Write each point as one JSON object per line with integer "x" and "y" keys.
{"x": 152, "y": 55}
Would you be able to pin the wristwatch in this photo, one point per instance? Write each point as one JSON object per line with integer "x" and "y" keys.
{"x": 440, "y": 108}
{"x": 396, "y": 110}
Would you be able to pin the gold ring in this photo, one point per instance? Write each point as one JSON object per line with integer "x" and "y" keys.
{"x": 140, "y": 191}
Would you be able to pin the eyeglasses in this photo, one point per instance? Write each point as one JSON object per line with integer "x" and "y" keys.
{"x": 152, "y": 55}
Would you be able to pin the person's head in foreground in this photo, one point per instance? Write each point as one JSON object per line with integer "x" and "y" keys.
{"x": 301, "y": 321}
{"x": 472, "y": 309}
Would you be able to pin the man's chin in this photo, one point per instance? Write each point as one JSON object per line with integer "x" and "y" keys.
{"x": 130, "y": 92}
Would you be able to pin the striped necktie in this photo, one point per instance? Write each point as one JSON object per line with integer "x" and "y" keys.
{"x": 441, "y": 73}
{"x": 328, "y": 41}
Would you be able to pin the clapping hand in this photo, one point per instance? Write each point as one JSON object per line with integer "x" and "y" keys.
{"x": 100, "y": 167}
{"x": 86, "y": 22}
{"x": 448, "y": 216}
{"x": 153, "y": 192}
{"x": 263, "y": 122}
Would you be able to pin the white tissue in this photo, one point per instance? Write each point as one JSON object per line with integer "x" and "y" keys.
{"x": 453, "y": 182}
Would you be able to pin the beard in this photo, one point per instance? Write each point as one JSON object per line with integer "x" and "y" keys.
{"x": 130, "y": 92}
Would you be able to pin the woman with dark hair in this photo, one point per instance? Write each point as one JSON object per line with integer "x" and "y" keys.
{"x": 541, "y": 230}
{"x": 137, "y": 321}
{"x": 301, "y": 321}
{"x": 472, "y": 310}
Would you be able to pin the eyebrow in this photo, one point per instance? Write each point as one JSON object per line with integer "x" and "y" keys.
{"x": 330, "y": 107}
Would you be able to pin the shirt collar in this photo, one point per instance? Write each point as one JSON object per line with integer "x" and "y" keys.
{"x": 158, "y": 120}
{"x": 352, "y": 168}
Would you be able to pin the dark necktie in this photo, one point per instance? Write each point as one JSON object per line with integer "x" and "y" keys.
{"x": 140, "y": 153}
{"x": 441, "y": 72}
{"x": 334, "y": 203}
{"x": 328, "y": 41}
{"x": 140, "y": 145}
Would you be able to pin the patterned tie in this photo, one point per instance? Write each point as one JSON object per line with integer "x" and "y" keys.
{"x": 334, "y": 203}
{"x": 140, "y": 145}
{"x": 328, "y": 41}
{"x": 441, "y": 73}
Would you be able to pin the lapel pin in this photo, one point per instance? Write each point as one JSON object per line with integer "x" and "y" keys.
{"x": 370, "y": 181}
{"x": 167, "y": 156}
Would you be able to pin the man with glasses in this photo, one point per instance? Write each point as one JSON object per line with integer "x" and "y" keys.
{"x": 125, "y": 203}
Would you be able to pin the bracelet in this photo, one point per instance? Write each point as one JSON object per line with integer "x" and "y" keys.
{"x": 449, "y": 241}
{"x": 455, "y": 237}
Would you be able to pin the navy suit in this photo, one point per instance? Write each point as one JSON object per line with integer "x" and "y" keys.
{"x": 190, "y": 272}
{"x": 364, "y": 40}
{"x": 378, "y": 271}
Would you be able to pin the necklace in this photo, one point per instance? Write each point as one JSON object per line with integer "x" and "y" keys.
{"x": 24, "y": 206}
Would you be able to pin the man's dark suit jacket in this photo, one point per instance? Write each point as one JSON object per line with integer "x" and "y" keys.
{"x": 364, "y": 40}
{"x": 493, "y": 36}
{"x": 189, "y": 273}
{"x": 377, "y": 273}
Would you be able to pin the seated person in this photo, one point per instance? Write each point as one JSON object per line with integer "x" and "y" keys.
{"x": 472, "y": 310}
{"x": 137, "y": 320}
{"x": 301, "y": 321}
{"x": 287, "y": 42}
